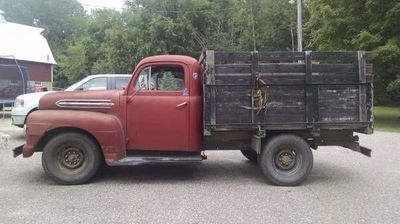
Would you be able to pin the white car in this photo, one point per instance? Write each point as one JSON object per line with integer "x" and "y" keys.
{"x": 27, "y": 103}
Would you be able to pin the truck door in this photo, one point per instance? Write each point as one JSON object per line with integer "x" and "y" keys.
{"x": 158, "y": 114}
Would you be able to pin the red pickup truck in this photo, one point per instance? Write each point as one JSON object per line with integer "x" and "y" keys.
{"x": 273, "y": 106}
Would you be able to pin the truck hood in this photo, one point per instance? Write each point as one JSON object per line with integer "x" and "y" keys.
{"x": 102, "y": 101}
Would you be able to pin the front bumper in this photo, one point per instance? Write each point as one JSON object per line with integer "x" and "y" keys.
{"x": 17, "y": 151}
{"x": 24, "y": 150}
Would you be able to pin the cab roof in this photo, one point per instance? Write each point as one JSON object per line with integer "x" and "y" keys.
{"x": 169, "y": 58}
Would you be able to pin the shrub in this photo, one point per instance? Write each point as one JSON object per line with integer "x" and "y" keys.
{"x": 393, "y": 90}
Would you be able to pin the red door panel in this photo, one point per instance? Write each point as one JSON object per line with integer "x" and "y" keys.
{"x": 158, "y": 122}
{"x": 158, "y": 115}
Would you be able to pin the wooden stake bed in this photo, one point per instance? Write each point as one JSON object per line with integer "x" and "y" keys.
{"x": 287, "y": 91}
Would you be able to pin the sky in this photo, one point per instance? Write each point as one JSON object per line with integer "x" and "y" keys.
{"x": 107, "y": 4}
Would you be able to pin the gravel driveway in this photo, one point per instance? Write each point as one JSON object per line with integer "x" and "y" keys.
{"x": 344, "y": 187}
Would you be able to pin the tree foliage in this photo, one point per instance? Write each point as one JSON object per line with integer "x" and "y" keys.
{"x": 371, "y": 25}
{"x": 63, "y": 20}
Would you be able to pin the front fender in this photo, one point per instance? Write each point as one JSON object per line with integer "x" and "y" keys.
{"x": 105, "y": 128}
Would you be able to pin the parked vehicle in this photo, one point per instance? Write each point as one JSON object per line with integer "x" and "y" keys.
{"x": 13, "y": 82}
{"x": 27, "y": 103}
{"x": 273, "y": 106}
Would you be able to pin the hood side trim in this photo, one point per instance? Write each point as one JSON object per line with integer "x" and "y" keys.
{"x": 84, "y": 103}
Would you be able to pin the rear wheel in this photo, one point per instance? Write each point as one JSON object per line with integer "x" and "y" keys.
{"x": 71, "y": 158}
{"x": 286, "y": 160}
{"x": 250, "y": 155}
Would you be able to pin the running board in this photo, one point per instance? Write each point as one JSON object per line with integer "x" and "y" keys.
{"x": 134, "y": 160}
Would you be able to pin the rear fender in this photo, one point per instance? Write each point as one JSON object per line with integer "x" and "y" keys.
{"x": 105, "y": 129}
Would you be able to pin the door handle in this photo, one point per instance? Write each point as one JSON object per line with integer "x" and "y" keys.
{"x": 181, "y": 104}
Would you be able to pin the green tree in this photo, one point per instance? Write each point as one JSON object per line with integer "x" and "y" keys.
{"x": 168, "y": 82}
{"x": 371, "y": 25}
{"x": 72, "y": 64}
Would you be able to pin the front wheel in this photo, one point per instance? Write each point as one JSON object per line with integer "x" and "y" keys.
{"x": 71, "y": 158}
{"x": 286, "y": 160}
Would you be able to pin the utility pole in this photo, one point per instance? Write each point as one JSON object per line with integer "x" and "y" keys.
{"x": 299, "y": 27}
{"x": 252, "y": 24}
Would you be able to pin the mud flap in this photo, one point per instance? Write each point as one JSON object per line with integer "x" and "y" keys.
{"x": 256, "y": 143}
{"x": 355, "y": 146}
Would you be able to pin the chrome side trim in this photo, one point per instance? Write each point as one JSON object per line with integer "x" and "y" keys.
{"x": 84, "y": 103}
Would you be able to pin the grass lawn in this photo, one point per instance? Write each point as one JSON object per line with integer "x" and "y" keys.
{"x": 387, "y": 118}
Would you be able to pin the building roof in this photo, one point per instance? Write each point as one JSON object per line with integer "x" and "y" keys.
{"x": 24, "y": 43}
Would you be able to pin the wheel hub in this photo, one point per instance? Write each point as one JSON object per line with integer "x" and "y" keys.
{"x": 285, "y": 159}
{"x": 72, "y": 158}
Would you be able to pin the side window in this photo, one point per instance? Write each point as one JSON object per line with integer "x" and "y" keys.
{"x": 168, "y": 78}
{"x": 141, "y": 81}
{"x": 94, "y": 84}
{"x": 121, "y": 82}
{"x": 161, "y": 77}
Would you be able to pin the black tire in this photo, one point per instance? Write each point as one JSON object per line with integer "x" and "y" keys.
{"x": 286, "y": 160}
{"x": 71, "y": 158}
{"x": 250, "y": 155}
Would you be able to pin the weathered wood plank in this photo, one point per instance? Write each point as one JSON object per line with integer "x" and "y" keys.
{"x": 335, "y": 68}
{"x": 267, "y": 57}
{"x": 211, "y": 80}
{"x": 362, "y": 66}
{"x": 309, "y": 114}
{"x": 284, "y": 117}
{"x": 232, "y": 57}
{"x": 362, "y": 62}
{"x": 334, "y": 56}
{"x": 254, "y": 72}
{"x": 233, "y": 94}
{"x": 268, "y": 78}
{"x": 206, "y": 105}
{"x": 288, "y": 78}
{"x": 232, "y": 68}
{"x": 336, "y": 78}
{"x": 282, "y": 68}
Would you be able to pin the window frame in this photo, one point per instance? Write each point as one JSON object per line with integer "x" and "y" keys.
{"x": 186, "y": 80}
